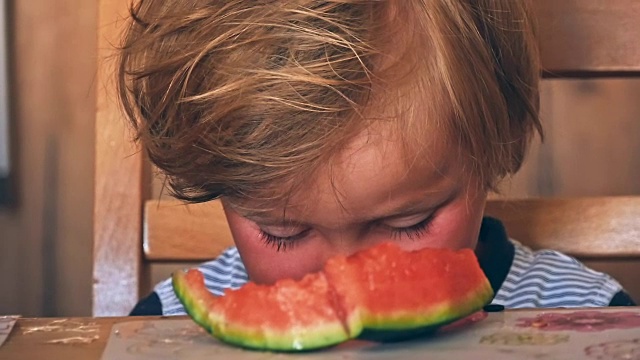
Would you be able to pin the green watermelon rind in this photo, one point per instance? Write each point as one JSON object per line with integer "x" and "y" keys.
{"x": 214, "y": 323}
{"x": 409, "y": 325}
{"x": 307, "y": 340}
{"x": 195, "y": 306}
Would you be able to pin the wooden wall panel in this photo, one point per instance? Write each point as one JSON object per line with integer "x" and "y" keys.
{"x": 45, "y": 242}
{"x": 592, "y": 144}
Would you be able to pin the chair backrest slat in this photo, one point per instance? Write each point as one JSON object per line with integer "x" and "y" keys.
{"x": 117, "y": 228}
{"x": 588, "y": 228}
{"x": 599, "y": 227}
{"x": 177, "y": 232}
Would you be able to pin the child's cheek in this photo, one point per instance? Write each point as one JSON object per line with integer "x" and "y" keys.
{"x": 458, "y": 226}
{"x": 246, "y": 234}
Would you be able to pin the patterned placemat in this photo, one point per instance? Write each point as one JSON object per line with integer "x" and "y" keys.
{"x": 606, "y": 333}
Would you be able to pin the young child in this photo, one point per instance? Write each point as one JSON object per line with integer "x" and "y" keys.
{"x": 328, "y": 126}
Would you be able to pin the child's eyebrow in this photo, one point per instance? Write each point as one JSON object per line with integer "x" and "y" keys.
{"x": 268, "y": 220}
{"x": 413, "y": 207}
{"x": 268, "y": 217}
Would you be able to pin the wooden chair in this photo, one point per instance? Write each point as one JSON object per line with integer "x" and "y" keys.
{"x": 578, "y": 38}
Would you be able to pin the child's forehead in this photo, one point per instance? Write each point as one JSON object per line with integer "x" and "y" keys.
{"x": 407, "y": 120}
{"x": 390, "y": 140}
{"x": 377, "y": 166}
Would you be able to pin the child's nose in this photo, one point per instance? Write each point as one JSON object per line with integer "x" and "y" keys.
{"x": 347, "y": 243}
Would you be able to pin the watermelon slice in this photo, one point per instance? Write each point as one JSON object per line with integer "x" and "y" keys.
{"x": 382, "y": 293}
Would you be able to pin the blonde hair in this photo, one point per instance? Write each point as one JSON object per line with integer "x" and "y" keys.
{"x": 246, "y": 99}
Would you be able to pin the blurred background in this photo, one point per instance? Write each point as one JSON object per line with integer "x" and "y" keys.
{"x": 592, "y": 147}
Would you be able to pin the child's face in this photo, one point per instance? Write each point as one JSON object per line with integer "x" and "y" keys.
{"x": 369, "y": 195}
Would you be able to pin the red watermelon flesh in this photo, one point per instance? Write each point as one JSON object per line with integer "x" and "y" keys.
{"x": 287, "y": 316}
{"x": 397, "y": 292}
{"x": 381, "y": 293}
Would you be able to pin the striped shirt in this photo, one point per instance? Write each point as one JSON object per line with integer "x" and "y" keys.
{"x": 538, "y": 279}
{"x": 225, "y": 272}
{"x": 548, "y": 279}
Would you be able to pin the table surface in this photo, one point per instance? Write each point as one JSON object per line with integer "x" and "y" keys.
{"x": 87, "y": 338}
{"x": 38, "y": 338}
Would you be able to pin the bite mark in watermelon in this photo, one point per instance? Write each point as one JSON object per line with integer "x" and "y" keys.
{"x": 382, "y": 293}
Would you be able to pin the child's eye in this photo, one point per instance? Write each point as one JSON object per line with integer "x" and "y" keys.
{"x": 411, "y": 231}
{"x": 281, "y": 243}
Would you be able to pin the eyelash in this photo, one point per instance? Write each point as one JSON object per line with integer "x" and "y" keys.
{"x": 281, "y": 243}
{"x": 414, "y": 231}
{"x": 285, "y": 243}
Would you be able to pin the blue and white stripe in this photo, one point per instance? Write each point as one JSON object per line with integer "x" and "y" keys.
{"x": 225, "y": 272}
{"x": 538, "y": 279}
{"x": 546, "y": 278}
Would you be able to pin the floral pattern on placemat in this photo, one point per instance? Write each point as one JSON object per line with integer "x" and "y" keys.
{"x": 615, "y": 350}
{"x": 529, "y": 338}
{"x": 584, "y": 321}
